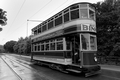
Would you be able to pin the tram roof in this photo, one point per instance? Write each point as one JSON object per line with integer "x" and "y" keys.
{"x": 63, "y": 10}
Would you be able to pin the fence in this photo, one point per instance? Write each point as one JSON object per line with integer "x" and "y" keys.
{"x": 114, "y": 60}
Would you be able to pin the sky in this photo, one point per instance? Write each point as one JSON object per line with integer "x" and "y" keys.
{"x": 21, "y": 15}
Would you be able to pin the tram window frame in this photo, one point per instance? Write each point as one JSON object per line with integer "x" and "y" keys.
{"x": 74, "y": 14}
{"x": 86, "y": 45}
{"x": 93, "y": 43}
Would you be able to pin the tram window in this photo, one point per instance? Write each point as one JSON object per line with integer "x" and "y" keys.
{"x": 42, "y": 47}
{"x": 92, "y": 14}
{"x": 93, "y": 42}
{"x": 50, "y": 24}
{"x": 91, "y": 7}
{"x": 85, "y": 41}
{"x": 83, "y": 5}
{"x": 44, "y": 28}
{"x": 75, "y": 14}
{"x": 38, "y": 47}
{"x": 52, "y": 46}
{"x": 35, "y": 47}
{"x": 66, "y": 17}
{"x": 74, "y": 7}
{"x": 39, "y": 30}
{"x": 58, "y": 21}
{"x": 47, "y": 46}
{"x": 84, "y": 13}
{"x": 68, "y": 46}
{"x": 59, "y": 45}
{"x": 35, "y": 32}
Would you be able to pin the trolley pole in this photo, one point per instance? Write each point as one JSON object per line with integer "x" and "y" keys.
{"x": 27, "y": 31}
{"x": 31, "y": 21}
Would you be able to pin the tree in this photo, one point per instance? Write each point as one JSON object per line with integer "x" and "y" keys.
{"x": 116, "y": 50}
{"x": 9, "y": 46}
{"x": 1, "y": 49}
{"x": 3, "y": 18}
{"x": 23, "y": 46}
{"x": 107, "y": 22}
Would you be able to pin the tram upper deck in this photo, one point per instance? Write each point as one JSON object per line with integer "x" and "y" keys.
{"x": 79, "y": 14}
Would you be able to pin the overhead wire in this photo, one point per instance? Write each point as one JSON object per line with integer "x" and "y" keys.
{"x": 32, "y": 15}
{"x": 16, "y": 15}
{"x": 40, "y": 9}
{"x": 36, "y": 12}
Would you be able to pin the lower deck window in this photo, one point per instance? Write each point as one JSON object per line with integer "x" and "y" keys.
{"x": 85, "y": 41}
{"x": 59, "y": 45}
{"x": 52, "y": 46}
{"x": 42, "y": 47}
{"x": 47, "y": 47}
{"x": 93, "y": 42}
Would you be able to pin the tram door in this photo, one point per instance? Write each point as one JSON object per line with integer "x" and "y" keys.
{"x": 75, "y": 39}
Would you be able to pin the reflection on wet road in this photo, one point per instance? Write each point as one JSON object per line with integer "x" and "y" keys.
{"x": 23, "y": 72}
{"x": 27, "y": 71}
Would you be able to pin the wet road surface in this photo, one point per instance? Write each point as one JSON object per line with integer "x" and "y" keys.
{"x": 36, "y": 72}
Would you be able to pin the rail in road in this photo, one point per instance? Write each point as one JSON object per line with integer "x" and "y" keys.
{"x": 104, "y": 75}
{"x": 13, "y": 75}
{"x": 22, "y": 71}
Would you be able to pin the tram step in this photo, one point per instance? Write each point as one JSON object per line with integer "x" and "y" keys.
{"x": 72, "y": 70}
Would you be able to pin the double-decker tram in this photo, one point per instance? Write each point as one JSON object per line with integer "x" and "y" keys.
{"x": 67, "y": 40}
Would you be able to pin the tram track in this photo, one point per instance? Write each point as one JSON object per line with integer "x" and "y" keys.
{"x": 16, "y": 74}
{"x": 27, "y": 66}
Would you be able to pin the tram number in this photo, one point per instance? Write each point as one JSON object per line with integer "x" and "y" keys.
{"x": 88, "y": 27}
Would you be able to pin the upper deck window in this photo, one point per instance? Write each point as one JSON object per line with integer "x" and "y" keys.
{"x": 92, "y": 14}
{"x": 84, "y": 13}
{"x": 39, "y": 30}
{"x": 44, "y": 28}
{"x": 50, "y": 25}
{"x": 75, "y": 14}
{"x": 66, "y": 17}
{"x": 35, "y": 32}
{"x": 91, "y": 7}
{"x": 58, "y": 21}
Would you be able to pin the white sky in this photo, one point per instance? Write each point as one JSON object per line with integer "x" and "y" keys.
{"x": 19, "y": 11}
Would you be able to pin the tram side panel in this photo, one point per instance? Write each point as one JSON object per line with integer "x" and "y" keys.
{"x": 61, "y": 57}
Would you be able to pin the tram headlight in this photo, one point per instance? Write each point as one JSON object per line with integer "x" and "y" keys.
{"x": 95, "y": 58}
